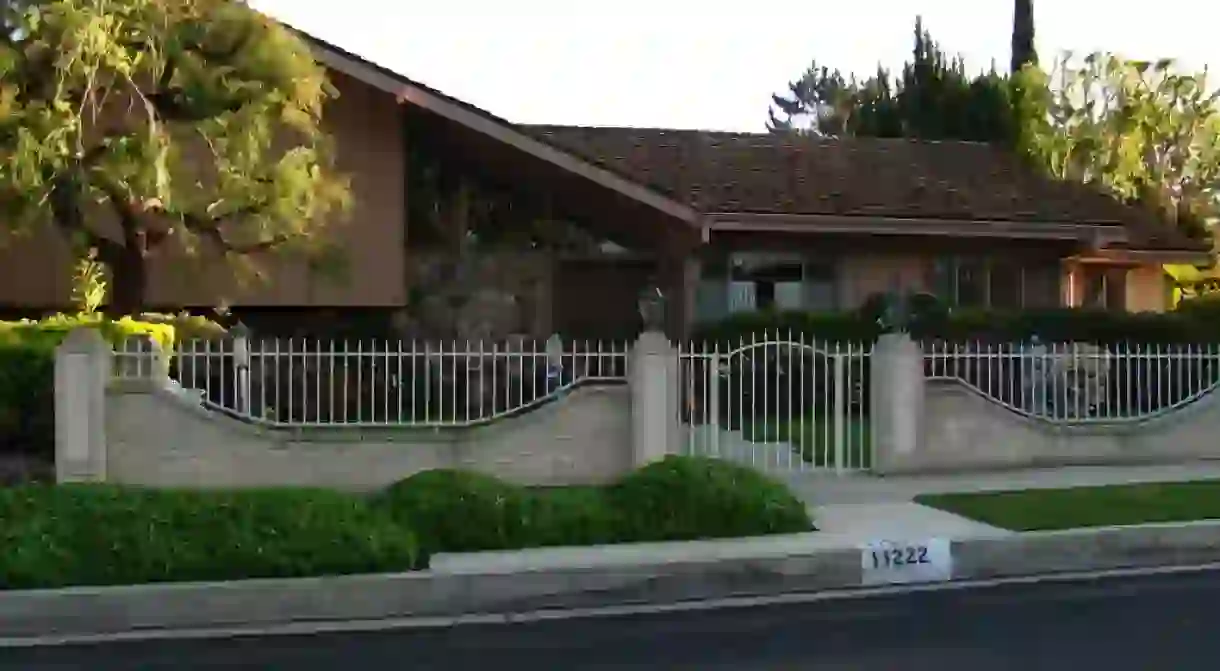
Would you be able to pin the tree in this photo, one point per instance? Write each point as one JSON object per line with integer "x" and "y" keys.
{"x": 1023, "y": 52}
{"x": 933, "y": 98}
{"x": 131, "y": 125}
{"x": 1144, "y": 132}
{"x": 822, "y": 96}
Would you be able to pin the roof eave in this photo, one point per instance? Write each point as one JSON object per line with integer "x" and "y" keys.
{"x": 405, "y": 90}
{"x": 1099, "y": 234}
{"x": 1194, "y": 257}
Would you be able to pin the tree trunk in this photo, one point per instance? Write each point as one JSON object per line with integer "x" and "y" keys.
{"x": 128, "y": 282}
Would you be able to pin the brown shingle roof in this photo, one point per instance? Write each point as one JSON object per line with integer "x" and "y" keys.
{"x": 720, "y": 172}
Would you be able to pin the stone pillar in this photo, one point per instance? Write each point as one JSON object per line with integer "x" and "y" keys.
{"x": 653, "y": 379}
{"x": 897, "y": 388}
{"x": 82, "y": 370}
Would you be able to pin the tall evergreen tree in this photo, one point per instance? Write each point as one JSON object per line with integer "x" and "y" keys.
{"x": 933, "y": 98}
{"x": 1023, "y": 51}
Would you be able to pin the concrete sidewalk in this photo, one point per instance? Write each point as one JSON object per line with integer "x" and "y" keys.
{"x": 840, "y": 527}
{"x": 821, "y": 489}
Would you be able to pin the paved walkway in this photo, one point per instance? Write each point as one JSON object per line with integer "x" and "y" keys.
{"x": 852, "y": 524}
{"x": 826, "y": 488}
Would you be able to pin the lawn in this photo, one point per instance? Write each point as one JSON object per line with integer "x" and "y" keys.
{"x": 1050, "y": 509}
{"x": 814, "y": 437}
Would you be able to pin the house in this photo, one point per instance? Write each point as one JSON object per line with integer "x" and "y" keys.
{"x": 723, "y": 222}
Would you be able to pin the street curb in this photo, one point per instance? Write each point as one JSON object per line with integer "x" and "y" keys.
{"x": 85, "y": 611}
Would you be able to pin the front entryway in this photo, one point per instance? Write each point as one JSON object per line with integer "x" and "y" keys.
{"x": 779, "y": 404}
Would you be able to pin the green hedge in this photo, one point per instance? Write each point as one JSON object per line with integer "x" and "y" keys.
{"x": 27, "y": 365}
{"x": 1194, "y": 324}
{"x": 27, "y": 375}
{"x": 52, "y": 330}
{"x": 678, "y": 498}
{"x": 102, "y": 535}
{"x": 27, "y": 399}
{"x": 456, "y": 511}
{"x": 685, "y": 498}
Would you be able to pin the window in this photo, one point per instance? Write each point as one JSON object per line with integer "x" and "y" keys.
{"x": 776, "y": 283}
{"x": 1040, "y": 285}
{"x": 1006, "y": 286}
{"x": 1105, "y": 288}
{"x": 979, "y": 282}
{"x": 779, "y": 281}
{"x": 971, "y": 284}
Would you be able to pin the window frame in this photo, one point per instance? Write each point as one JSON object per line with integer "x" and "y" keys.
{"x": 948, "y": 270}
{"x": 813, "y": 269}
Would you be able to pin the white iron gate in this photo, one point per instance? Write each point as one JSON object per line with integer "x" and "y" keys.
{"x": 777, "y": 404}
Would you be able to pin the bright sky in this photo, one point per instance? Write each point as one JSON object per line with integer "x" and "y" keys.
{"x": 698, "y": 64}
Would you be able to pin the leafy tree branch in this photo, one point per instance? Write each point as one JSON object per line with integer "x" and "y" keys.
{"x": 127, "y": 125}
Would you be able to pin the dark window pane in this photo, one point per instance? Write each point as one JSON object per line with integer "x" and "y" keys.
{"x": 764, "y": 295}
{"x": 1041, "y": 286}
{"x": 1094, "y": 286}
{"x": 1116, "y": 289}
{"x": 1005, "y": 286}
{"x": 766, "y": 267}
{"x": 820, "y": 270}
{"x": 940, "y": 281}
{"x": 971, "y": 284}
{"x": 777, "y": 272}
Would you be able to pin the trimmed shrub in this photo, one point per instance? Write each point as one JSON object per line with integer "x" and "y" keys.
{"x": 27, "y": 399}
{"x": 186, "y": 326}
{"x": 687, "y": 498}
{"x": 52, "y": 330}
{"x": 678, "y": 498}
{"x": 27, "y": 365}
{"x": 457, "y": 511}
{"x": 569, "y": 516}
{"x": 99, "y": 535}
{"x": 27, "y": 371}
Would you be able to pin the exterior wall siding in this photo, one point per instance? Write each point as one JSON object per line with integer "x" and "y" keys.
{"x": 1147, "y": 289}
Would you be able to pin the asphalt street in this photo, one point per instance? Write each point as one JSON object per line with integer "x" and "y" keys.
{"x": 1155, "y": 623}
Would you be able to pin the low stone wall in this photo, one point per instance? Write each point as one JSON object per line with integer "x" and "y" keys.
{"x": 960, "y": 429}
{"x": 158, "y": 438}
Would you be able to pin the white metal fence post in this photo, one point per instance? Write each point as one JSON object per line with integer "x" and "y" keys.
{"x": 840, "y": 413}
{"x": 713, "y": 394}
{"x": 241, "y": 363}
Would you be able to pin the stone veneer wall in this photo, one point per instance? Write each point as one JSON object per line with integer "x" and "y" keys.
{"x": 928, "y": 426}
{"x": 158, "y": 437}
